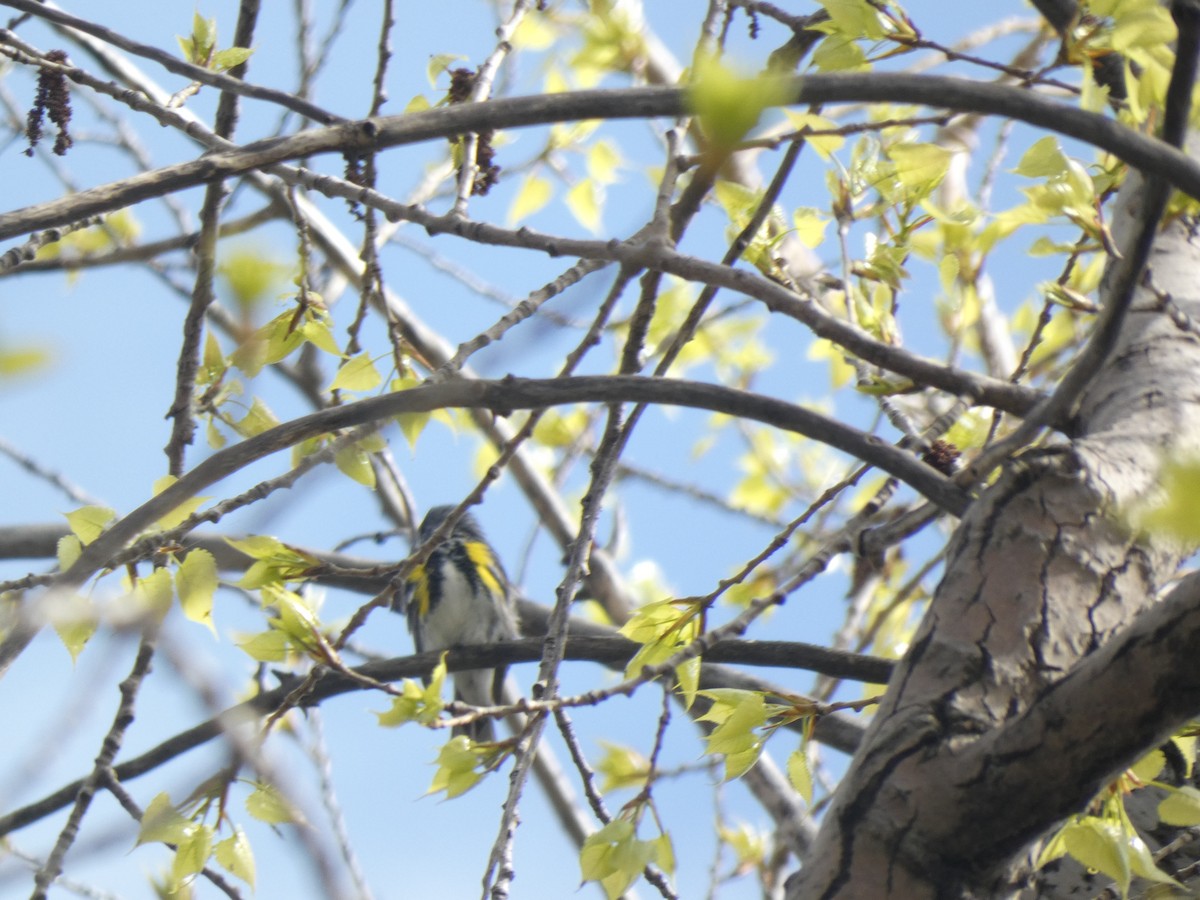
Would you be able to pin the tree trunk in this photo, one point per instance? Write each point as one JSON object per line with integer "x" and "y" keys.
{"x": 976, "y": 751}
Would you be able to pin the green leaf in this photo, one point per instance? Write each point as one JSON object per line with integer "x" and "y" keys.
{"x": 920, "y": 167}
{"x": 1145, "y": 27}
{"x": 357, "y": 374}
{"x": 227, "y": 59}
{"x": 853, "y": 18}
{"x": 413, "y": 705}
{"x": 824, "y": 144}
{"x": 267, "y": 805}
{"x": 583, "y": 200}
{"x": 621, "y": 767}
{"x": 420, "y": 703}
{"x": 838, "y": 53}
{"x": 418, "y": 103}
{"x": 318, "y": 331}
{"x": 88, "y": 522}
{"x": 665, "y": 627}
{"x": 356, "y": 464}
{"x": 1148, "y": 767}
{"x": 534, "y": 32}
{"x": 213, "y": 435}
{"x": 1043, "y": 160}
{"x": 687, "y": 679}
{"x": 654, "y": 621}
{"x": 810, "y": 225}
{"x": 728, "y": 105}
{"x": 212, "y": 365}
{"x": 236, "y": 857}
{"x": 749, "y": 847}
{"x": 412, "y": 424}
{"x": 603, "y": 160}
{"x": 196, "y": 583}
{"x": 297, "y": 619}
{"x": 534, "y": 193}
{"x": 1180, "y": 807}
{"x": 199, "y": 47}
{"x": 191, "y": 853}
{"x": 68, "y": 550}
{"x": 266, "y": 646}
{"x": 457, "y": 771}
{"x": 1178, "y": 495}
{"x": 800, "y": 775}
{"x": 275, "y": 562}
{"x": 615, "y": 857}
{"x": 1142, "y": 862}
{"x": 258, "y": 419}
{"x": 738, "y": 714}
{"x": 1100, "y": 844}
{"x": 1055, "y": 848}
{"x": 283, "y": 335}
{"x": 439, "y": 63}
{"x": 162, "y": 823}
{"x": 23, "y": 361}
{"x": 154, "y": 592}
{"x": 840, "y": 371}
{"x": 74, "y": 622}
{"x": 251, "y": 273}
{"x": 204, "y": 31}
{"x": 560, "y": 429}
{"x": 664, "y": 853}
{"x": 179, "y": 513}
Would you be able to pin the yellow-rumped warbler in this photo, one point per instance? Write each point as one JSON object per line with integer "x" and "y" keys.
{"x": 460, "y": 595}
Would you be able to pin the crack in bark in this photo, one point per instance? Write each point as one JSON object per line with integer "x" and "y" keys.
{"x": 857, "y": 810}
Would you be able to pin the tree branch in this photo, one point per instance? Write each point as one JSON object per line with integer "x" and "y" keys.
{"x": 173, "y": 63}
{"x": 606, "y": 650}
{"x": 375, "y": 134}
{"x": 503, "y": 397}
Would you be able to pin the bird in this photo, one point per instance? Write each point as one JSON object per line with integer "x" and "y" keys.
{"x": 458, "y": 597}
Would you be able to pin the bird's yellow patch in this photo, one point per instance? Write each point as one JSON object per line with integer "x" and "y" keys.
{"x": 420, "y": 586}
{"x": 485, "y": 564}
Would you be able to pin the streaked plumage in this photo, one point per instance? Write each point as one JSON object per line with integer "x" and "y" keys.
{"x": 461, "y": 596}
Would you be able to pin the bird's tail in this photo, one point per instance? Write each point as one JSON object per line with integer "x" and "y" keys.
{"x": 479, "y": 687}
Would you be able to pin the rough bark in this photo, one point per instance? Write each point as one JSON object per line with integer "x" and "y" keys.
{"x": 965, "y": 767}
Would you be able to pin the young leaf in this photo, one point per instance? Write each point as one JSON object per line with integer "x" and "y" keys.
{"x": 534, "y": 193}
{"x": 615, "y": 857}
{"x": 227, "y": 59}
{"x": 728, "y": 105}
{"x": 621, "y": 767}
{"x": 191, "y": 853}
{"x": 162, "y": 823}
{"x": 357, "y": 374}
{"x": 1180, "y": 807}
{"x": 88, "y": 522}
{"x": 800, "y": 775}
{"x": 154, "y": 592}
{"x": 583, "y": 200}
{"x": 257, "y": 420}
{"x": 458, "y": 767}
{"x": 267, "y": 805}
{"x": 266, "y": 646}
{"x": 1100, "y": 844}
{"x": 353, "y": 462}
{"x": 180, "y": 512}
{"x": 68, "y": 549}
{"x": 236, "y": 857}
{"x": 196, "y": 583}
{"x": 74, "y": 622}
